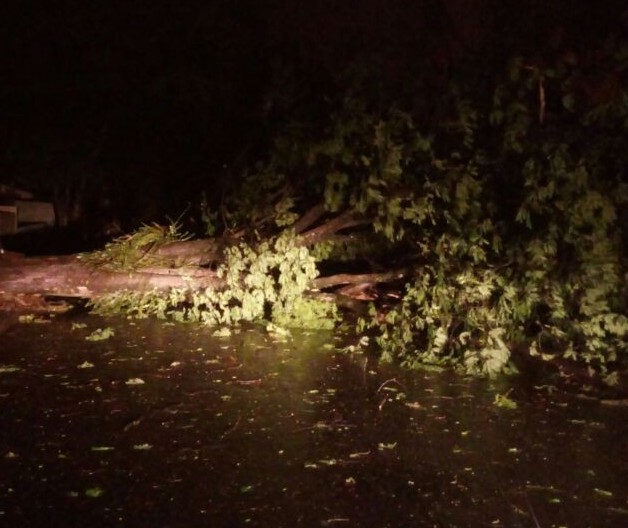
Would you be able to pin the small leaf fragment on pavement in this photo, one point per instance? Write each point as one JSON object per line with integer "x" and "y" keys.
{"x": 603, "y": 493}
{"x": 94, "y": 492}
{"x": 134, "y": 381}
{"x": 85, "y": 365}
{"x": 503, "y": 401}
{"x": 277, "y": 330}
{"x": 100, "y": 334}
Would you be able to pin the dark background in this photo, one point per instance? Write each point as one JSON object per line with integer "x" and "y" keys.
{"x": 133, "y": 108}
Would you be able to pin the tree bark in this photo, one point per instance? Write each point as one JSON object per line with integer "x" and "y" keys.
{"x": 202, "y": 252}
{"x": 322, "y": 283}
{"x": 73, "y": 277}
{"x": 190, "y": 265}
{"x": 324, "y": 231}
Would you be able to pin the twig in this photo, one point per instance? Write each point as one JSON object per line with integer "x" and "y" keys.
{"x": 391, "y": 380}
{"x": 232, "y": 428}
{"x": 531, "y": 510}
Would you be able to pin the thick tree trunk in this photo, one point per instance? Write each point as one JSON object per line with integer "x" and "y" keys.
{"x": 188, "y": 265}
{"x": 71, "y": 276}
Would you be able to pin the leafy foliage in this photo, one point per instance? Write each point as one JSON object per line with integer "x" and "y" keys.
{"x": 507, "y": 202}
{"x": 266, "y": 281}
{"x": 508, "y": 206}
{"x": 521, "y": 243}
{"x": 137, "y": 249}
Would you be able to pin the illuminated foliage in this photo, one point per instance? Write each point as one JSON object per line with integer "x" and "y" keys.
{"x": 263, "y": 282}
{"x": 506, "y": 208}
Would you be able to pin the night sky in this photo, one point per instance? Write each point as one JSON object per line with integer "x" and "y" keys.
{"x": 152, "y": 99}
{"x": 162, "y": 87}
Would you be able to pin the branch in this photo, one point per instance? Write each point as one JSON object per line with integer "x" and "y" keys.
{"x": 344, "y": 221}
{"x": 348, "y": 278}
{"x": 309, "y": 218}
{"x": 71, "y": 277}
{"x": 193, "y": 252}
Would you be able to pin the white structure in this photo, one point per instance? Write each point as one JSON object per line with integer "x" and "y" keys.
{"x": 18, "y": 212}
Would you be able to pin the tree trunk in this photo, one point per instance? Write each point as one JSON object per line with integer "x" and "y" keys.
{"x": 72, "y": 276}
{"x": 189, "y": 265}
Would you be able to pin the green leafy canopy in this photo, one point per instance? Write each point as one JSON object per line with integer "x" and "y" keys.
{"x": 506, "y": 205}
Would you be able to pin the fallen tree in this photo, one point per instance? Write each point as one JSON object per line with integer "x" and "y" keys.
{"x": 495, "y": 229}
{"x": 72, "y": 276}
{"x": 157, "y": 260}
